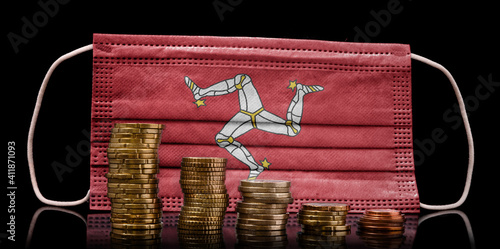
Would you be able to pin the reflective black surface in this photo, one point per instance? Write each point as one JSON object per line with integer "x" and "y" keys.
{"x": 65, "y": 228}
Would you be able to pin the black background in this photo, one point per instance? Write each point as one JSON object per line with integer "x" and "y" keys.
{"x": 462, "y": 36}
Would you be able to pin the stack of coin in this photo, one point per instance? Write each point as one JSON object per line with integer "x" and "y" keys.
{"x": 382, "y": 227}
{"x": 136, "y": 210}
{"x": 323, "y": 223}
{"x": 262, "y": 215}
{"x": 205, "y": 201}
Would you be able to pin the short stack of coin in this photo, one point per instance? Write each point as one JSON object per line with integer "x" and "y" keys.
{"x": 203, "y": 183}
{"x": 382, "y": 228}
{"x": 323, "y": 223}
{"x": 136, "y": 210}
{"x": 262, "y": 215}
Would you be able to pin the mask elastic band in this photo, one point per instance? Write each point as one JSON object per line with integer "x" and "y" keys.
{"x": 31, "y": 133}
{"x": 458, "y": 212}
{"x": 470, "y": 141}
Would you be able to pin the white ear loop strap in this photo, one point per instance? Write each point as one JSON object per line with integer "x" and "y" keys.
{"x": 32, "y": 132}
{"x": 470, "y": 141}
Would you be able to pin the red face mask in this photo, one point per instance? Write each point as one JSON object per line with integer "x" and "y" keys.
{"x": 334, "y": 118}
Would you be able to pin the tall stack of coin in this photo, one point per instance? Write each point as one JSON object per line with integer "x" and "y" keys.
{"x": 203, "y": 183}
{"x": 136, "y": 210}
{"x": 323, "y": 223}
{"x": 262, "y": 215}
{"x": 382, "y": 227}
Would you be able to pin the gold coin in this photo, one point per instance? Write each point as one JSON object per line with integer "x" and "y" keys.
{"x": 207, "y": 204}
{"x": 200, "y": 182}
{"x": 260, "y": 227}
{"x": 133, "y": 206}
{"x": 326, "y": 233}
{"x": 322, "y": 213}
{"x": 133, "y": 145}
{"x": 135, "y": 221}
{"x": 140, "y": 125}
{"x": 140, "y": 181}
{"x": 201, "y": 218}
{"x": 321, "y": 222}
{"x": 198, "y": 232}
{"x": 265, "y": 183}
{"x": 131, "y": 156}
{"x": 264, "y": 216}
{"x": 203, "y": 178}
{"x": 129, "y": 236}
{"x": 133, "y": 166}
{"x": 316, "y": 238}
{"x": 266, "y": 206}
{"x": 133, "y": 161}
{"x": 205, "y": 159}
{"x": 204, "y": 191}
{"x": 128, "y": 196}
{"x": 136, "y": 216}
{"x": 135, "y": 231}
{"x": 265, "y": 244}
{"x": 263, "y": 189}
{"x": 203, "y": 173}
{"x": 136, "y": 135}
{"x": 203, "y": 213}
{"x": 202, "y": 209}
{"x": 323, "y": 206}
{"x": 132, "y": 191}
{"x": 205, "y": 200}
{"x": 130, "y": 151}
{"x": 135, "y": 226}
{"x": 138, "y": 201}
{"x": 199, "y": 227}
{"x": 261, "y": 221}
{"x": 132, "y": 185}
{"x": 268, "y": 200}
{"x": 316, "y": 217}
{"x": 327, "y": 228}
{"x": 135, "y": 171}
{"x": 202, "y": 169}
{"x": 207, "y": 196}
{"x": 266, "y": 195}
{"x": 210, "y": 186}
{"x": 203, "y": 165}
{"x": 136, "y": 210}
{"x": 270, "y": 233}
{"x": 129, "y": 176}
{"x": 135, "y": 140}
{"x": 187, "y": 222}
{"x": 253, "y": 238}
{"x": 261, "y": 211}
{"x": 136, "y": 243}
